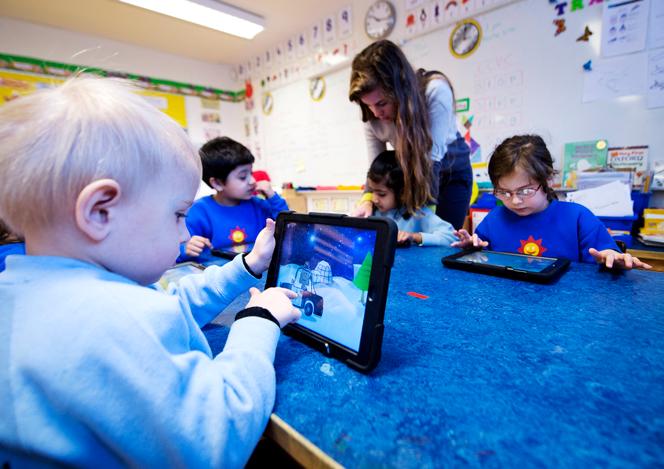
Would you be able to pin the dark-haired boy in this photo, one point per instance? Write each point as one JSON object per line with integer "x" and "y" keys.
{"x": 232, "y": 215}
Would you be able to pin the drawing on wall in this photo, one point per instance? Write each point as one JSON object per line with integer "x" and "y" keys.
{"x": 585, "y": 36}
{"x": 475, "y": 149}
{"x": 560, "y": 26}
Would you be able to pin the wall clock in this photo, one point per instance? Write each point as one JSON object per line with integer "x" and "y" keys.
{"x": 317, "y": 88}
{"x": 380, "y": 19}
{"x": 267, "y": 103}
{"x": 465, "y": 38}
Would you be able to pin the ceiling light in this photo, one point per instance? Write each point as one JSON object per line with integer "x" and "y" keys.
{"x": 209, "y": 13}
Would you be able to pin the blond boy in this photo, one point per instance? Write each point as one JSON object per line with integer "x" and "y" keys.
{"x": 99, "y": 367}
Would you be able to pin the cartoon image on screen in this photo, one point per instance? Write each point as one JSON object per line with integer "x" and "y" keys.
{"x": 526, "y": 263}
{"x": 329, "y": 268}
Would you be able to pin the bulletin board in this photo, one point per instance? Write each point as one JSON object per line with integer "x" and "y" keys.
{"x": 521, "y": 79}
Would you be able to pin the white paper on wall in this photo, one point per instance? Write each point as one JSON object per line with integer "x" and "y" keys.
{"x": 329, "y": 30}
{"x": 655, "y": 91}
{"x": 345, "y": 22}
{"x": 624, "y": 27}
{"x": 316, "y": 37}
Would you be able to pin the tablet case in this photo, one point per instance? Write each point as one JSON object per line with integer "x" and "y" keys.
{"x": 513, "y": 271}
{"x": 316, "y": 299}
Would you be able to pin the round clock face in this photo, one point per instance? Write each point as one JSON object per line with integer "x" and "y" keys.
{"x": 465, "y": 38}
{"x": 317, "y": 88}
{"x": 380, "y": 20}
{"x": 267, "y": 103}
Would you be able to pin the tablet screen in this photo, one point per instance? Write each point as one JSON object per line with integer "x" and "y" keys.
{"x": 518, "y": 262}
{"x": 329, "y": 268}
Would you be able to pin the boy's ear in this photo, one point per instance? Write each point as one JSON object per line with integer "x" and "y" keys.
{"x": 94, "y": 208}
{"x": 216, "y": 184}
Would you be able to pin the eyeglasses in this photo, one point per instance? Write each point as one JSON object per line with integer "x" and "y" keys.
{"x": 525, "y": 193}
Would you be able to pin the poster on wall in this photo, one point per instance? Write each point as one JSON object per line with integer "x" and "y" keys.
{"x": 624, "y": 27}
{"x": 15, "y": 84}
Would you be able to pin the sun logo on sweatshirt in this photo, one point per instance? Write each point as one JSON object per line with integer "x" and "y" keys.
{"x": 238, "y": 235}
{"x": 532, "y": 247}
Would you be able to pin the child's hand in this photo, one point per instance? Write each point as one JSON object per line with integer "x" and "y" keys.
{"x": 265, "y": 188}
{"x": 611, "y": 258}
{"x": 277, "y": 301}
{"x": 363, "y": 210}
{"x": 403, "y": 237}
{"x": 468, "y": 240}
{"x": 260, "y": 256}
{"x": 195, "y": 246}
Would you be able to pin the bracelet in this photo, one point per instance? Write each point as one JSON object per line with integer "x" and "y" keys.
{"x": 246, "y": 266}
{"x": 257, "y": 312}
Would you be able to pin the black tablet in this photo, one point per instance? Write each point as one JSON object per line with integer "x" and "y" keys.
{"x": 339, "y": 266}
{"x": 517, "y": 266}
{"x": 229, "y": 252}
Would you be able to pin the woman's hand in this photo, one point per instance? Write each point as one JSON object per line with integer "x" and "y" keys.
{"x": 611, "y": 258}
{"x": 196, "y": 245}
{"x": 363, "y": 210}
{"x": 260, "y": 256}
{"x": 467, "y": 240}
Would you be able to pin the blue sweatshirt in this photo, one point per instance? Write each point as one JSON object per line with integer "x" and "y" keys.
{"x": 563, "y": 229}
{"x": 98, "y": 371}
{"x": 8, "y": 250}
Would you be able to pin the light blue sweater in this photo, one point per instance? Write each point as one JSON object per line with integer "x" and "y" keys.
{"x": 435, "y": 231}
{"x": 98, "y": 371}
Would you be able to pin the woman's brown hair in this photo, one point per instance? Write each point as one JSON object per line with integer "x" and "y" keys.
{"x": 382, "y": 65}
{"x": 528, "y": 152}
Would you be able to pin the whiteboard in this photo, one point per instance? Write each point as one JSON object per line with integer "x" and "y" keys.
{"x": 311, "y": 143}
{"x": 522, "y": 79}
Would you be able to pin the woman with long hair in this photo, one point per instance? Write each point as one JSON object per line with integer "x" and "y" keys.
{"x": 414, "y": 111}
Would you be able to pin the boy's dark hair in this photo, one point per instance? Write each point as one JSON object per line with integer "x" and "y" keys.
{"x": 528, "y": 152}
{"x": 222, "y": 155}
{"x": 385, "y": 170}
{"x": 6, "y": 235}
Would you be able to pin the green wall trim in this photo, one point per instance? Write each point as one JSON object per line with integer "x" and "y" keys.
{"x": 63, "y": 70}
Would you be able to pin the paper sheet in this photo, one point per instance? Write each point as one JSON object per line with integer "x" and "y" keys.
{"x": 610, "y": 200}
{"x": 624, "y": 26}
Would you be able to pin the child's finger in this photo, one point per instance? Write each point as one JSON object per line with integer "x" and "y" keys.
{"x": 609, "y": 260}
{"x": 289, "y": 293}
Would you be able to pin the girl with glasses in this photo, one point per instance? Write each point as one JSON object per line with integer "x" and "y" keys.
{"x": 532, "y": 221}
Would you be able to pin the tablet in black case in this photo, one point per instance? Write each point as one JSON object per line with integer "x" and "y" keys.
{"x": 504, "y": 264}
{"x": 339, "y": 266}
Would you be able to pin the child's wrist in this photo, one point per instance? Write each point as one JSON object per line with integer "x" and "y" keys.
{"x": 252, "y": 265}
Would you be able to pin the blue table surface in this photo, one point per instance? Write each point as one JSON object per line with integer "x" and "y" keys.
{"x": 490, "y": 372}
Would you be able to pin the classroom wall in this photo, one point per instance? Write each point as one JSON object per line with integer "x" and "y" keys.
{"x": 522, "y": 79}
{"x": 45, "y": 42}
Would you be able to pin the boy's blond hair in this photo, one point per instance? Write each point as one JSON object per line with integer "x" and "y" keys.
{"x": 56, "y": 141}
